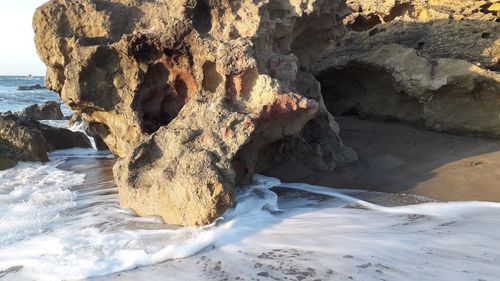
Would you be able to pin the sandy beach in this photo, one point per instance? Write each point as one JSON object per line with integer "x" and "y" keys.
{"x": 347, "y": 242}
{"x": 395, "y": 157}
{"x": 312, "y": 140}
{"x": 399, "y": 163}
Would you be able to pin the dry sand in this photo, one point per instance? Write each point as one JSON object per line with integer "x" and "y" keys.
{"x": 400, "y": 158}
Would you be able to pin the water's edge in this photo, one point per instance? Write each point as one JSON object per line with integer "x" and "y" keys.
{"x": 62, "y": 221}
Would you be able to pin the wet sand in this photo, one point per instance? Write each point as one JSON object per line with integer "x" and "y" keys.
{"x": 97, "y": 170}
{"x": 394, "y": 158}
{"x": 399, "y": 158}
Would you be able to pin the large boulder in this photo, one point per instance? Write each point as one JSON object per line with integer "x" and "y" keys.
{"x": 194, "y": 96}
{"x": 432, "y": 63}
{"x": 50, "y": 110}
{"x": 29, "y": 140}
{"x": 20, "y": 141}
{"x": 61, "y": 138}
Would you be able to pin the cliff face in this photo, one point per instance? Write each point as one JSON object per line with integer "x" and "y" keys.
{"x": 194, "y": 96}
{"x": 434, "y": 63}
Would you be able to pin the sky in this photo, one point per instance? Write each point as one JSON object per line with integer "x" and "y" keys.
{"x": 17, "y": 48}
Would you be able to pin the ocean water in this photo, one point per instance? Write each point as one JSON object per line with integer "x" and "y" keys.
{"x": 13, "y": 100}
{"x": 60, "y": 224}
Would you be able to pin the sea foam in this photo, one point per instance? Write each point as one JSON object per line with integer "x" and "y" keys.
{"x": 54, "y": 228}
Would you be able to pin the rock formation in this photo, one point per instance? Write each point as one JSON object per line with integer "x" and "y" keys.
{"x": 50, "y": 110}
{"x": 194, "y": 96}
{"x": 61, "y": 138}
{"x": 28, "y": 140}
{"x": 20, "y": 142}
{"x": 30, "y": 87}
{"x": 434, "y": 63}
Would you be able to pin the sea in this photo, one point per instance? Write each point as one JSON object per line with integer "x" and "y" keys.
{"x": 61, "y": 220}
{"x": 13, "y": 100}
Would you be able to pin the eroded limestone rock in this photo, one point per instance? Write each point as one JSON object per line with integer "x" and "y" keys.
{"x": 20, "y": 141}
{"x": 194, "y": 96}
{"x": 29, "y": 140}
{"x": 50, "y": 110}
{"x": 434, "y": 63}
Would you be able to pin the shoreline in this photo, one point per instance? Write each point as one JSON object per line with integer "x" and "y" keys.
{"x": 399, "y": 158}
{"x": 285, "y": 244}
{"x": 396, "y": 159}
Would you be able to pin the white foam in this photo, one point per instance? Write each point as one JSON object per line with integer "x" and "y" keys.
{"x": 91, "y": 236}
{"x": 32, "y": 197}
{"x": 56, "y": 123}
{"x": 79, "y": 126}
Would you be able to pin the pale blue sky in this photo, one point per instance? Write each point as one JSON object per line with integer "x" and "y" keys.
{"x": 17, "y": 48}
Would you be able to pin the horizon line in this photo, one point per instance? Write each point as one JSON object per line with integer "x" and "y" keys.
{"x": 24, "y": 75}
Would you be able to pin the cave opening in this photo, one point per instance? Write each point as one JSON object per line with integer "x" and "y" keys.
{"x": 367, "y": 91}
{"x": 399, "y": 147}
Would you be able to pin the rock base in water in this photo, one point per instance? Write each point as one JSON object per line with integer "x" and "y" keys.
{"x": 194, "y": 96}
{"x": 28, "y": 140}
{"x": 50, "y": 110}
{"x": 20, "y": 142}
{"x": 30, "y": 88}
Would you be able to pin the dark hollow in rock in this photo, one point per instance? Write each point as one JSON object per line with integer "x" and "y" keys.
{"x": 364, "y": 23}
{"x": 202, "y": 18}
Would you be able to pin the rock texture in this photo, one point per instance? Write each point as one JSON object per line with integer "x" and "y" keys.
{"x": 28, "y": 140}
{"x": 61, "y": 138}
{"x": 194, "y": 95}
{"x": 434, "y": 63}
{"x": 20, "y": 142}
{"x": 50, "y": 110}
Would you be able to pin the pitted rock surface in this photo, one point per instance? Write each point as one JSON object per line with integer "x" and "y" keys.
{"x": 195, "y": 96}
